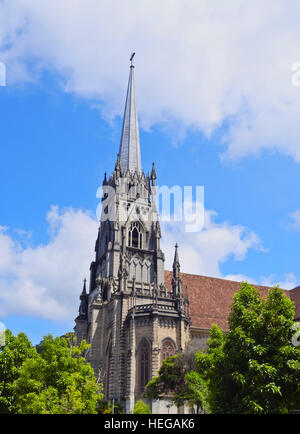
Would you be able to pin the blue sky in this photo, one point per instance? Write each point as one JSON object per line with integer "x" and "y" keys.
{"x": 60, "y": 118}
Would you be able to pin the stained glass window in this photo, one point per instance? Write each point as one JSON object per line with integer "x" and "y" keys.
{"x": 143, "y": 365}
{"x": 167, "y": 349}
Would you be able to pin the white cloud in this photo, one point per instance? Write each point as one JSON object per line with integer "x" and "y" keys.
{"x": 289, "y": 281}
{"x": 198, "y": 63}
{"x": 295, "y": 224}
{"x": 45, "y": 281}
{"x": 203, "y": 252}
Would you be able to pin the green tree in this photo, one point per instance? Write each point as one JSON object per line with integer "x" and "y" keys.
{"x": 58, "y": 380}
{"x": 178, "y": 379}
{"x": 141, "y": 408}
{"x": 14, "y": 351}
{"x": 254, "y": 368}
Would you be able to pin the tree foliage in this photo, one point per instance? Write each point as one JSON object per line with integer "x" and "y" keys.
{"x": 15, "y": 350}
{"x": 57, "y": 379}
{"x": 179, "y": 380}
{"x": 254, "y": 368}
{"x": 141, "y": 408}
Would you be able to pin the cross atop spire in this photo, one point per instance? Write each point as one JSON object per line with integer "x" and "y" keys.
{"x": 84, "y": 287}
{"x": 131, "y": 59}
{"x": 130, "y": 153}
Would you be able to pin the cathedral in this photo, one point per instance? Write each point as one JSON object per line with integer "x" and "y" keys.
{"x": 135, "y": 313}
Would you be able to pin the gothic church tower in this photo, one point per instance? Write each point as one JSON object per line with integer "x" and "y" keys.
{"x": 129, "y": 316}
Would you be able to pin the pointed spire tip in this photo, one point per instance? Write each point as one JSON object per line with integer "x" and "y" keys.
{"x": 130, "y": 153}
{"x": 176, "y": 256}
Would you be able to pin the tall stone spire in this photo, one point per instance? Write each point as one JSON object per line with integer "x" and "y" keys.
{"x": 130, "y": 153}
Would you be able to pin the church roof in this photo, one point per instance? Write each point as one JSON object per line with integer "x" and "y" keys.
{"x": 130, "y": 153}
{"x": 295, "y": 297}
{"x": 211, "y": 298}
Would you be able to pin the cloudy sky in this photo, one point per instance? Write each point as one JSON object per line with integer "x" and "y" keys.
{"x": 218, "y": 95}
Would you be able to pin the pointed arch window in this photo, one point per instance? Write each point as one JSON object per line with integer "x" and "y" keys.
{"x": 143, "y": 360}
{"x": 167, "y": 349}
{"x": 135, "y": 236}
{"x": 108, "y": 368}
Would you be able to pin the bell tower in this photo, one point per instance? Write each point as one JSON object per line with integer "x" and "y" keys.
{"x": 129, "y": 313}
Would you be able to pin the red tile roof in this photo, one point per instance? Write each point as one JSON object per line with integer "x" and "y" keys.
{"x": 211, "y": 298}
{"x": 295, "y": 297}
